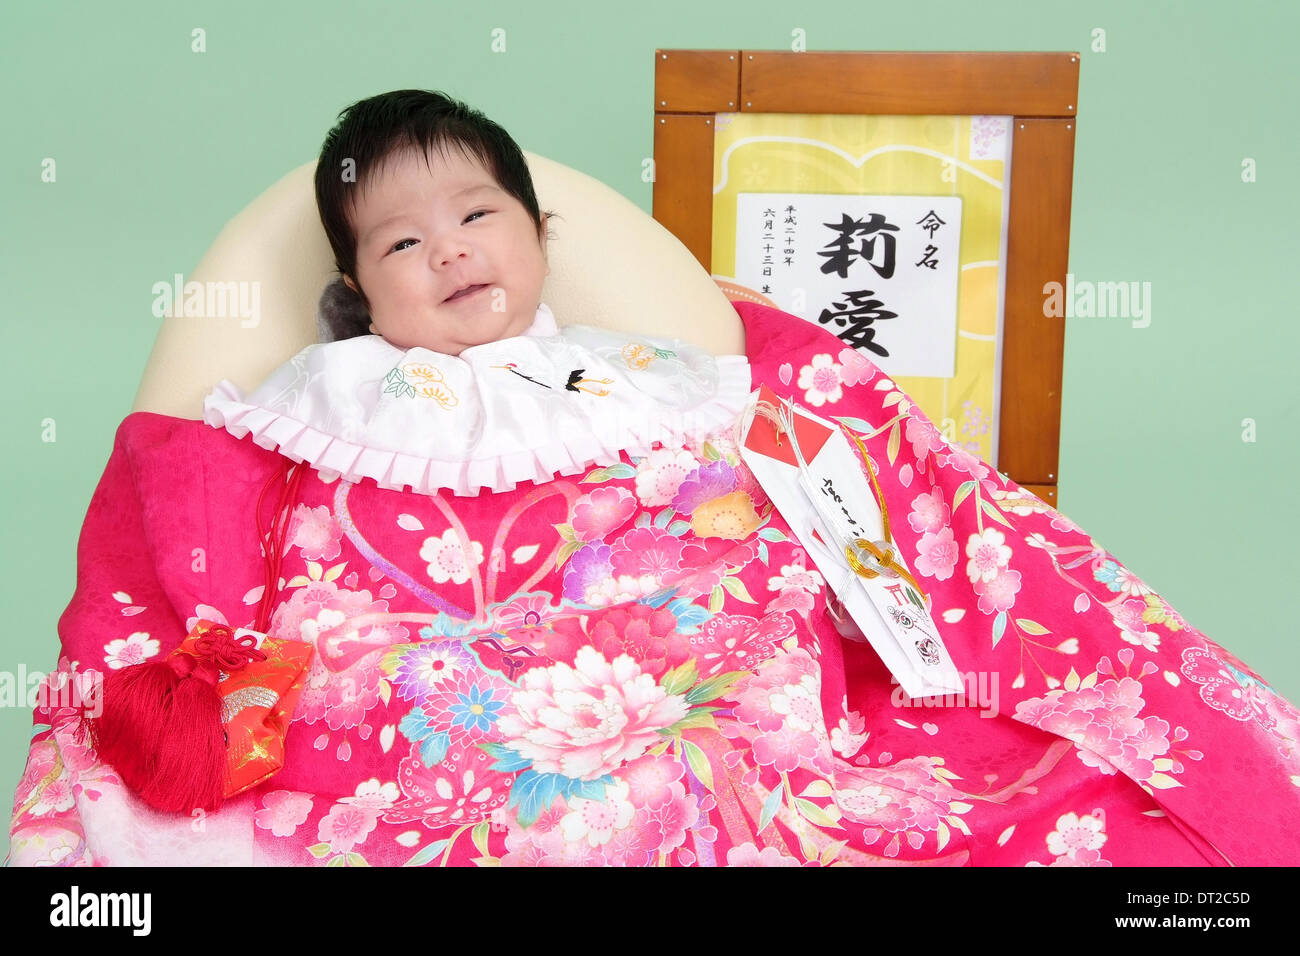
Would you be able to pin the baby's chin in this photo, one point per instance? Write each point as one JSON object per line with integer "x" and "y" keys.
{"x": 463, "y": 342}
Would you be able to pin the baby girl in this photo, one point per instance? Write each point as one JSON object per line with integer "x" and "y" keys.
{"x": 447, "y": 371}
{"x": 441, "y": 239}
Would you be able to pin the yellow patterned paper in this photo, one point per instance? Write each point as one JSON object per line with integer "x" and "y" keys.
{"x": 892, "y": 155}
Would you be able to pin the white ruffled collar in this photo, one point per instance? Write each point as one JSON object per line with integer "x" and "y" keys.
{"x": 551, "y": 401}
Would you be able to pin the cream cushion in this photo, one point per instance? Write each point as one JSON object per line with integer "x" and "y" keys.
{"x": 612, "y": 266}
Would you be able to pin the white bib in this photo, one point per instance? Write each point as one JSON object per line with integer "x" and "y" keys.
{"x": 551, "y": 401}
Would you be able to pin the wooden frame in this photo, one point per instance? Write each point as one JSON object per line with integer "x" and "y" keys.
{"x": 1040, "y": 90}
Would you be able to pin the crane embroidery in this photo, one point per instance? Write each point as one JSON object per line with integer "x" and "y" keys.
{"x": 512, "y": 367}
{"x": 576, "y": 381}
{"x": 574, "y": 384}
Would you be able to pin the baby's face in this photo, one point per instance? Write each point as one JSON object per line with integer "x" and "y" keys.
{"x": 426, "y": 231}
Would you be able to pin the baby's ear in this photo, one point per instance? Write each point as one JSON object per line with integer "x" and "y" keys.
{"x": 340, "y": 313}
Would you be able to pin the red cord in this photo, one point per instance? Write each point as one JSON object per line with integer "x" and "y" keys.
{"x": 273, "y": 538}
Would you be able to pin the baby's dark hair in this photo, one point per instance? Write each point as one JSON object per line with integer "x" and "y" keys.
{"x": 367, "y": 135}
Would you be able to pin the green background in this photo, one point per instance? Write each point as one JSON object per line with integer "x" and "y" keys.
{"x": 157, "y": 147}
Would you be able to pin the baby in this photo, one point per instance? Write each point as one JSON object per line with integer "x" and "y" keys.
{"x": 443, "y": 368}
{"x": 430, "y": 210}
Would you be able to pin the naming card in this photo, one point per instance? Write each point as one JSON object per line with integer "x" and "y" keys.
{"x": 829, "y": 503}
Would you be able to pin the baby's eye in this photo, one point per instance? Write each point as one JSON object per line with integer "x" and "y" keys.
{"x": 481, "y": 212}
{"x": 397, "y": 247}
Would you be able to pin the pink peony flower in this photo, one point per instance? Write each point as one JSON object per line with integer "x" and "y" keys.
{"x": 646, "y": 551}
{"x": 599, "y": 512}
{"x": 649, "y": 635}
{"x": 588, "y": 720}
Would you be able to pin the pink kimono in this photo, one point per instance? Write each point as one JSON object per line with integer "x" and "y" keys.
{"x": 635, "y": 665}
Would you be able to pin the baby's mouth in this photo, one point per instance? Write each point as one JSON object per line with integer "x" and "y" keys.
{"x": 467, "y": 291}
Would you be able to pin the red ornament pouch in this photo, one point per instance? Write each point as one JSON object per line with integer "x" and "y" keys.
{"x": 204, "y": 723}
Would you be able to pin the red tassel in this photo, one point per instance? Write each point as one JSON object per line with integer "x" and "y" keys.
{"x": 160, "y": 727}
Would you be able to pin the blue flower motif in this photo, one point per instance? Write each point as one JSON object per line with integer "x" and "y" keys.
{"x": 476, "y": 710}
{"x": 1108, "y": 574}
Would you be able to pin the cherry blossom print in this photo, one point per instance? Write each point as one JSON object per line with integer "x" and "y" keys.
{"x": 796, "y": 576}
{"x": 1132, "y": 628}
{"x": 930, "y": 513}
{"x": 344, "y": 827}
{"x": 855, "y": 367}
{"x": 999, "y": 592}
{"x": 959, "y": 459}
{"x": 1103, "y": 722}
{"x": 848, "y": 738}
{"x": 671, "y": 818}
{"x": 283, "y": 811}
{"x": 373, "y": 796}
{"x": 783, "y": 701}
{"x": 316, "y": 532}
{"x": 821, "y": 381}
{"x": 925, "y": 438}
{"x": 792, "y": 600}
{"x": 449, "y": 559}
{"x": 660, "y": 474}
{"x": 596, "y": 820}
{"x": 648, "y": 779}
{"x": 134, "y": 649}
{"x": 1077, "y": 840}
{"x": 937, "y": 554}
{"x": 988, "y": 553}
